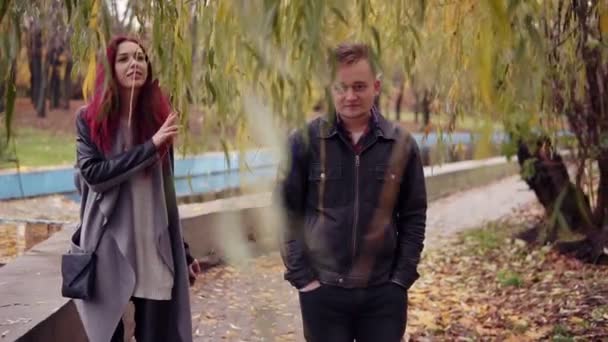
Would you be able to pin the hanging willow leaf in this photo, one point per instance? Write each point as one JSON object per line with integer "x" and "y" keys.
{"x": 211, "y": 88}
{"x": 4, "y": 6}
{"x": 339, "y": 14}
{"x": 376, "y": 36}
{"x": 603, "y": 17}
{"x": 88, "y": 84}
{"x": 499, "y": 12}
{"x": 68, "y": 8}
{"x": 485, "y": 67}
{"x": 208, "y": 53}
{"x": 226, "y": 151}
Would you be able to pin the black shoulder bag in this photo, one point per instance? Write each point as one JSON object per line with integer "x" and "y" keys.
{"x": 78, "y": 270}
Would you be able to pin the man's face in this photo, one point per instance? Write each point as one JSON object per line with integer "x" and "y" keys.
{"x": 354, "y": 89}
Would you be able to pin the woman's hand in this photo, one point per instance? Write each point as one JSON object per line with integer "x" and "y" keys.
{"x": 194, "y": 269}
{"x": 167, "y": 131}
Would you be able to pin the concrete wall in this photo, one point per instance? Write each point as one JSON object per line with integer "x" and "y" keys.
{"x": 233, "y": 228}
{"x": 464, "y": 175}
{"x": 31, "y": 306}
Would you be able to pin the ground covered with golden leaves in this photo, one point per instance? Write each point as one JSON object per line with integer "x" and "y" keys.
{"x": 481, "y": 285}
{"x": 486, "y": 285}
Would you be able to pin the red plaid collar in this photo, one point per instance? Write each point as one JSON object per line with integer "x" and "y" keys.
{"x": 372, "y": 123}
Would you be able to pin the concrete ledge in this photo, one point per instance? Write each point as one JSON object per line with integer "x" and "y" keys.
{"x": 232, "y": 228}
{"x": 31, "y": 306}
{"x": 455, "y": 177}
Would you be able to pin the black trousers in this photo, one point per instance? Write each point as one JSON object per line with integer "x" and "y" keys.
{"x": 152, "y": 318}
{"x": 371, "y": 314}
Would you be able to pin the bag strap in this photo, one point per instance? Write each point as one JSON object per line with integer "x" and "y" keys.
{"x": 103, "y": 230}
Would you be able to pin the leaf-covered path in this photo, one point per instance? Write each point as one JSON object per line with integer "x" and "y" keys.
{"x": 254, "y": 303}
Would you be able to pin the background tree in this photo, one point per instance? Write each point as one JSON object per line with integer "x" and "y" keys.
{"x": 541, "y": 69}
{"x": 537, "y": 67}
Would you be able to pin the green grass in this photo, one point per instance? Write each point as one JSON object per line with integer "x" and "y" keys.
{"x": 509, "y": 278}
{"x": 561, "y": 334}
{"x": 39, "y": 148}
{"x": 36, "y": 148}
{"x": 489, "y": 237}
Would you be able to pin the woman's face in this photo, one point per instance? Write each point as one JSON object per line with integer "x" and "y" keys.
{"x": 131, "y": 65}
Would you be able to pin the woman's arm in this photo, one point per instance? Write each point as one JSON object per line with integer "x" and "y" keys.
{"x": 102, "y": 173}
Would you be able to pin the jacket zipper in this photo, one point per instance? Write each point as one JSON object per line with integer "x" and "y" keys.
{"x": 356, "y": 206}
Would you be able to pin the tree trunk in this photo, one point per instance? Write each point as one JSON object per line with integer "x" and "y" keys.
{"x": 31, "y": 92}
{"x": 41, "y": 93}
{"x": 398, "y": 103}
{"x": 55, "y": 88}
{"x": 426, "y": 108}
{"x": 55, "y": 81}
{"x": 549, "y": 179}
{"x": 594, "y": 225}
{"x": 67, "y": 83}
{"x": 36, "y": 78}
{"x": 1, "y": 106}
{"x": 35, "y": 56}
{"x": 601, "y": 210}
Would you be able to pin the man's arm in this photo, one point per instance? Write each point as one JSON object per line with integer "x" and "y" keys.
{"x": 291, "y": 195}
{"x": 411, "y": 220}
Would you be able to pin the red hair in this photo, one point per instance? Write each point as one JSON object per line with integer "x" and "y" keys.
{"x": 149, "y": 113}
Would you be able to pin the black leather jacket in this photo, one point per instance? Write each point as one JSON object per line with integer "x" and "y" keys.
{"x": 343, "y": 228}
{"x": 102, "y": 173}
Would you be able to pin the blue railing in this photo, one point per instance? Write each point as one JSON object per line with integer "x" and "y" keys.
{"x": 206, "y": 173}
{"x": 201, "y": 174}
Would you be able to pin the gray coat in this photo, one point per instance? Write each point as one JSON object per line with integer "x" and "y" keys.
{"x": 99, "y": 181}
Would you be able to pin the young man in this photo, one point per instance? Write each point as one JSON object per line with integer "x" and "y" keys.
{"x": 355, "y": 199}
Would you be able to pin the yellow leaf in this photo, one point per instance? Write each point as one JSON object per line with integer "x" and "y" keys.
{"x": 88, "y": 84}
{"x": 485, "y": 66}
{"x": 466, "y": 322}
{"x": 222, "y": 11}
{"x": 513, "y": 339}
{"x": 539, "y": 333}
{"x": 427, "y": 129}
{"x": 94, "y": 14}
{"x": 603, "y": 16}
{"x": 424, "y": 318}
{"x": 577, "y": 320}
{"x": 499, "y": 17}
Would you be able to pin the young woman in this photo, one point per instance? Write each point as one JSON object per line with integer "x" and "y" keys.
{"x": 129, "y": 210}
